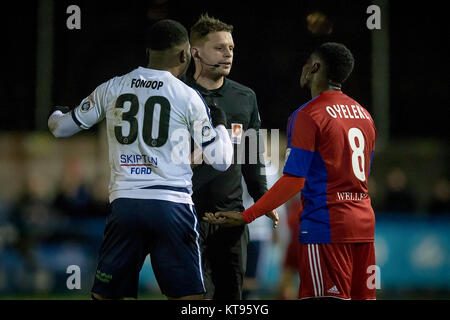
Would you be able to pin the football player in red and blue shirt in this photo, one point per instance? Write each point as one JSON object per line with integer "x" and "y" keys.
{"x": 331, "y": 140}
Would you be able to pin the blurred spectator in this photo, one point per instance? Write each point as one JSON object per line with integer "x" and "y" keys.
{"x": 440, "y": 201}
{"x": 288, "y": 284}
{"x": 261, "y": 234}
{"x": 33, "y": 214}
{"x": 399, "y": 197}
{"x": 33, "y": 218}
{"x": 374, "y": 198}
{"x": 99, "y": 200}
{"x": 8, "y": 231}
{"x": 73, "y": 198}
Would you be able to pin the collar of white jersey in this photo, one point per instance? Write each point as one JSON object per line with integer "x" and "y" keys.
{"x": 151, "y": 71}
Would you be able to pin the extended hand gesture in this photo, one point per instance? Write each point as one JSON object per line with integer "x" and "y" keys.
{"x": 234, "y": 218}
{"x": 225, "y": 218}
{"x": 274, "y": 216}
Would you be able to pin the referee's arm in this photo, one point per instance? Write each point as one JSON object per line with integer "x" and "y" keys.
{"x": 254, "y": 174}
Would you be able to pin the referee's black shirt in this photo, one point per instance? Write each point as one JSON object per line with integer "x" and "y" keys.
{"x": 222, "y": 191}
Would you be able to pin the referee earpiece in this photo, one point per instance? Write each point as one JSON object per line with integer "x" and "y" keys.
{"x": 195, "y": 53}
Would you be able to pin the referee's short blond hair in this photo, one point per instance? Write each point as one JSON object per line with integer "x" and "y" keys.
{"x": 205, "y": 25}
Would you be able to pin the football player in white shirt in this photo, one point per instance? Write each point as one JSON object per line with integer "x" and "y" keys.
{"x": 151, "y": 116}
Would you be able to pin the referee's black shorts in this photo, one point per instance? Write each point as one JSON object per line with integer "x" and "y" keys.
{"x": 224, "y": 260}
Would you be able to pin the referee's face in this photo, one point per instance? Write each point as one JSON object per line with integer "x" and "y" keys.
{"x": 218, "y": 49}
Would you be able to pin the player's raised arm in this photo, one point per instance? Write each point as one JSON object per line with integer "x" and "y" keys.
{"x": 60, "y": 122}
{"x": 64, "y": 122}
{"x": 213, "y": 139}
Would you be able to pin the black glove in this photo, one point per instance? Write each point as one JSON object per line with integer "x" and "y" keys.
{"x": 63, "y": 109}
{"x": 218, "y": 116}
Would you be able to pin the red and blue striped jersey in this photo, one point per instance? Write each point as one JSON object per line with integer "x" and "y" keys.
{"x": 331, "y": 140}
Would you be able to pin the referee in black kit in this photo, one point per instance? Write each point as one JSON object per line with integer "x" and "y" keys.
{"x": 224, "y": 250}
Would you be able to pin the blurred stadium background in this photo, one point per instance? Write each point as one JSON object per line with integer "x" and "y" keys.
{"x": 53, "y": 193}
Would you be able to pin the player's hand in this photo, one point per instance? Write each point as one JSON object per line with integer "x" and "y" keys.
{"x": 274, "y": 216}
{"x": 225, "y": 218}
{"x": 218, "y": 116}
{"x": 212, "y": 219}
{"x": 63, "y": 109}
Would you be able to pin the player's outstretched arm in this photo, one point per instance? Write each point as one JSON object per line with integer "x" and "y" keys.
{"x": 61, "y": 123}
{"x": 283, "y": 190}
{"x": 233, "y": 218}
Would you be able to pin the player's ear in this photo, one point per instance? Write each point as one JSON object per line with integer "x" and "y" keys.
{"x": 183, "y": 56}
{"x": 315, "y": 67}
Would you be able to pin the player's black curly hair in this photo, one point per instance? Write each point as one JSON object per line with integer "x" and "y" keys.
{"x": 166, "y": 34}
{"x": 338, "y": 60}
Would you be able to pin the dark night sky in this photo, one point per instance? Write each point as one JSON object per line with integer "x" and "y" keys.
{"x": 271, "y": 45}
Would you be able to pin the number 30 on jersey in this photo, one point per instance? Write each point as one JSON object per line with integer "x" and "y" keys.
{"x": 149, "y": 109}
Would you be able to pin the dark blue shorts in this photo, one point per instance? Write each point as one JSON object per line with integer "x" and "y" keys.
{"x": 168, "y": 231}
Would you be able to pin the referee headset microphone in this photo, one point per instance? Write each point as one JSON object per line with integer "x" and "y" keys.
{"x": 203, "y": 63}
{"x": 208, "y": 64}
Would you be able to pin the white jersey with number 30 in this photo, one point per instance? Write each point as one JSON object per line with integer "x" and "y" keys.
{"x": 151, "y": 116}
